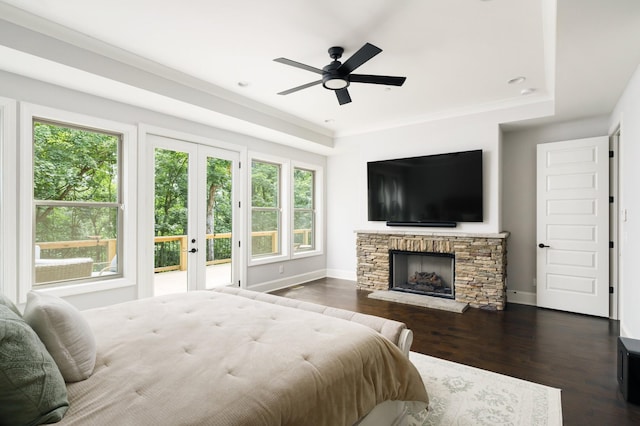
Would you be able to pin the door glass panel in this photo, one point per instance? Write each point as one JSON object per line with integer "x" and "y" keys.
{"x": 219, "y": 221}
{"x": 171, "y": 243}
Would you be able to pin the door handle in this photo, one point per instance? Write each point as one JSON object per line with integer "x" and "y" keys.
{"x": 542, "y": 245}
{"x": 193, "y": 250}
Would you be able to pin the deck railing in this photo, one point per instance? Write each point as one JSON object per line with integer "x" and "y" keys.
{"x": 171, "y": 251}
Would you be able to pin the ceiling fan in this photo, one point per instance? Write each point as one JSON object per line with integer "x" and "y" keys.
{"x": 337, "y": 76}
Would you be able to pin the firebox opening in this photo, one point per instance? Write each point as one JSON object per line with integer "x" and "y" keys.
{"x": 424, "y": 273}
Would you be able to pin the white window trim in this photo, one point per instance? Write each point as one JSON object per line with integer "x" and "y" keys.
{"x": 285, "y": 183}
{"x": 318, "y": 209}
{"x": 129, "y": 198}
{"x": 8, "y": 195}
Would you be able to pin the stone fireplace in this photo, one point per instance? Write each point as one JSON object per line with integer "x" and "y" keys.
{"x": 480, "y": 262}
{"x": 431, "y": 274}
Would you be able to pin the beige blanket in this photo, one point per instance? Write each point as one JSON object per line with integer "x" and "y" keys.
{"x": 207, "y": 358}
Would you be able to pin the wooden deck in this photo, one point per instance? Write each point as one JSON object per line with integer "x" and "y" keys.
{"x": 176, "y": 281}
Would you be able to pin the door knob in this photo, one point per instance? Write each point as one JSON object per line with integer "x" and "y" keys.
{"x": 193, "y": 250}
{"x": 542, "y": 245}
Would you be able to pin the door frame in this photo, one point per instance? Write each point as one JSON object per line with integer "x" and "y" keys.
{"x": 615, "y": 219}
{"x": 146, "y": 232}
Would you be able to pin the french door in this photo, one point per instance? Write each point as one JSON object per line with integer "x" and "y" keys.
{"x": 195, "y": 216}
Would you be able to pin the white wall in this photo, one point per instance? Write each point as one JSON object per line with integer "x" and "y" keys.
{"x": 519, "y": 196}
{"x": 627, "y": 116}
{"x": 347, "y": 175}
{"x": 33, "y": 91}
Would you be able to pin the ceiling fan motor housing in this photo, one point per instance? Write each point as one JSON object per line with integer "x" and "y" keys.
{"x": 332, "y": 79}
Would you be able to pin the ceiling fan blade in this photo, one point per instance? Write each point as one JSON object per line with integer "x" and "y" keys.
{"x": 304, "y": 86}
{"x": 343, "y": 96}
{"x": 377, "y": 79}
{"x": 365, "y": 53}
{"x": 298, "y": 65}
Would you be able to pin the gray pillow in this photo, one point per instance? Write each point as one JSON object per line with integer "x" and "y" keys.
{"x": 32, "y": 390}
{"x": 4, "y": 300}
{"x": 65, "y": 333}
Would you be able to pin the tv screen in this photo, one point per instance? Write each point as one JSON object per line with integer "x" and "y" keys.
{"x": 431, "y": 190}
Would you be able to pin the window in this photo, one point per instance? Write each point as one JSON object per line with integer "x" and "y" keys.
{"x": 286, "y": 207}
{"x": 77, "y": 200}
{"x": 304, "y": 216}
{"x": 266, "y": 213}
{"x": 77, "y": 178}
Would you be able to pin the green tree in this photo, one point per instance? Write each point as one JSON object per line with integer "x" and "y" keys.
{"x": 219, "y": 210}
{"x": 74, "y": 165}
{"x": 265, "y": 204}
{"x": 171, "y": 192}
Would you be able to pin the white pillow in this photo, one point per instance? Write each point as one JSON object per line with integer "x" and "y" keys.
{"x": 65, "y": 333}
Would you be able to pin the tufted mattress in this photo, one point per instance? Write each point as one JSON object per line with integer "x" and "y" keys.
{"x": 212, "y": 358}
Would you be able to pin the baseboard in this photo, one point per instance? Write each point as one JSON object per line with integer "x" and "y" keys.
{"x": 623, "y": 330}
{"x": 521, "y": 297}
{"x": 288, "y": 281}
{"x": 342, "y": 274}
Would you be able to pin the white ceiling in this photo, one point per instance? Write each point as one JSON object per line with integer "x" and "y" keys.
{"x": 457, "y": 55}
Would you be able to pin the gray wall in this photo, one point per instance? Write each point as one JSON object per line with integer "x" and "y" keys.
{"x": 519, "y": 195}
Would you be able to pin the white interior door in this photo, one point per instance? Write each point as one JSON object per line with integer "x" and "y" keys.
{"x": 573, "y": 226}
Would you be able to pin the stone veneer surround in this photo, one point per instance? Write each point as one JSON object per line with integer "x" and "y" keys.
{"x": 480, "y": 262}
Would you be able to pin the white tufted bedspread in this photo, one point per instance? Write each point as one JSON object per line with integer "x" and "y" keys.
{"x": 209, "y": 358}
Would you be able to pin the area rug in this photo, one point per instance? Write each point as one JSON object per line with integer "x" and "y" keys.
{"x": 462, "y": 395}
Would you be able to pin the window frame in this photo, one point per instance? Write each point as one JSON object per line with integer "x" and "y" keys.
{"x": 284, "y": 208}
{"x": 127, "y": 185}
{"x": 318, "y": 209}
{"x": 8, "y": 198}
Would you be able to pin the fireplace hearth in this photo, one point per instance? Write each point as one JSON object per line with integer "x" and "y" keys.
{"x": 430, "y": 274}
{"x": 480, "y": 262}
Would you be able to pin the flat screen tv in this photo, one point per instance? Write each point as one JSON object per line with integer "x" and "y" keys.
{"x": 432, "y": 190}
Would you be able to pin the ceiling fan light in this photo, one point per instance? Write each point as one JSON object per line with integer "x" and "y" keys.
{"x": 335, "y": 83}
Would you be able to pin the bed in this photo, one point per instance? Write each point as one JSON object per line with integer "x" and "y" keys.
{"x": 237, "y": 357}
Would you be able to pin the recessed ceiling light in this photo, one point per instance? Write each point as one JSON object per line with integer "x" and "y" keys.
{"x": 517, "y": 80}
{"x": 527, "y": 91}
{"x": 329, "y": 120}
{"x": 243, "y": 83}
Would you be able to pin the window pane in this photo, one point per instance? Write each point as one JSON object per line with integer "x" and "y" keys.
{"x": 303, "y": 214}
{"x": 265, "y": 184}
{"x": 303, "y": 230}
{"x": 303, "y": 189}
{"x": 75, "y": 242}
{"x": 74, "y": 165}
{"x": 265, "y": 238}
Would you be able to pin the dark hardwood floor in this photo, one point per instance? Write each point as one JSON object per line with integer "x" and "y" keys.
{"x": 575, "y": 353}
